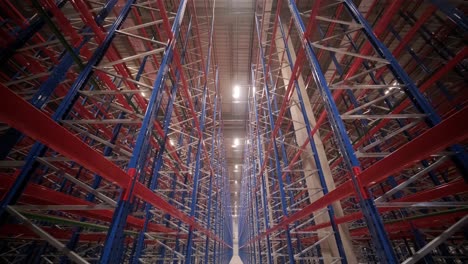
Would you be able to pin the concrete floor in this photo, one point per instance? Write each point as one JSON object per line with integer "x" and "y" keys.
{"x": 235, "y": 258}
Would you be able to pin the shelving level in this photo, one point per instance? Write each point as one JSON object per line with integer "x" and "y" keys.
{"x": 348, "y": 121}
{"x": 112, "y": 144}
{"x": 357, "y": 134}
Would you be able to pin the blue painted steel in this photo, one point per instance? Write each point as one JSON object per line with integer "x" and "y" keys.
{"x": 275, "y": 148}
{"x": 184, "y": 194}
{"x": 218, "y": 248}
{"x": 387, "y": 101}
{"x": 28, "y": 168}
{"x": 422, "y": 65}
{"x": 218, "y": 201}
{"x": 260, "y": 156}
{"x": 252, "y": 223}
{"x": 410, "y": 87}
{"x": 67, "y": 103}
{"x": 114, "y": 254}
{"x": 373, "y": 220}
{"x": 158, "y": 161}
{"x": 283, "y": 153}
{"x": 322, "y": 84}
{"x": 153, "y": 185}
{"x": 453, "y": 13}
{"x": 11, "y": 137}
{"x": 112, "y": 246}
{"x": 439, "y": 46}
{"x": 210, "y": 188}
{"x": 196, "y": 178}
{"x": 166, "y": 126}
{"x": 188, "y": 257}
{"x": 23, "y": 37}
{"x": 246, "y": 214}
{"x": 257, "y": 214}
{"x": 250, "y": 161}
{"x": 420, "y": 242}
{"x": 38, "y": 149}
{"x": 72, "y": 243}
{"x": 318, "y": 165}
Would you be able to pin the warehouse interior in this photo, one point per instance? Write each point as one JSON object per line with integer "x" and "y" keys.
{"x": 233, "y": 131}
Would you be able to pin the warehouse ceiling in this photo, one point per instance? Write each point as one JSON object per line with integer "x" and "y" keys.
{"x": 234, "y": 49}
{"x": 233, "y": 41}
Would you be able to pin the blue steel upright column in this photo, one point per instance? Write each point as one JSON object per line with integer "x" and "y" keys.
{"x": 63, "y": 110}
{"x": 279, "y": 172}
{"x": 114, "y": 242}
{"x": 198, "y": 161}
{"x": 373, "y": 219}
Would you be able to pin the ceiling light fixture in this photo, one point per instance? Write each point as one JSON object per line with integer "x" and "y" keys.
{"x": 236, "y": 92}
{"x": 236, "y": 142}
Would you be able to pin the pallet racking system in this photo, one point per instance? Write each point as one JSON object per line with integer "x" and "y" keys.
{"x": 357, "y": 134}
{"x": 112, "y": 145}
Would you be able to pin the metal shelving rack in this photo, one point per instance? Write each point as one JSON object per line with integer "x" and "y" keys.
{"x": 112, "y": 136}
{"x": 357, "y": 136}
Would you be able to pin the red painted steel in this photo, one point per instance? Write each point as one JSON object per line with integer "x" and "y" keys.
{"x": 448, "y": 132}
{"x": 21, "y": 115}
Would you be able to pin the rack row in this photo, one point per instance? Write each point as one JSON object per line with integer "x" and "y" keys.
{"x": 111, "y": 141}
{"x": 356, "y": 147}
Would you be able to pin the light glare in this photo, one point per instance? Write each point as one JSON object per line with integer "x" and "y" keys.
{"x": 236, "y": 92}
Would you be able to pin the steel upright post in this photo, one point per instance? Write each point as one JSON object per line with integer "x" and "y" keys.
{"x": 275, "y": 149}
{"x": 63, "y": 110}
{"x": 373, "y": 219}
{"x": 112, "y": 249}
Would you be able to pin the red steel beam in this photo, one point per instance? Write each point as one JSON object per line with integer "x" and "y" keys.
{"x": 85, "y": 13}
{"x": 185, "y": 87}
{"x": 113, "y": 54}
{"x": 423, "y": 87}
{"x": 379, "y": 30}
{"x": 19, "y": 114}
{"x": 21, "y": 232}
{"x": 448, "y": 132}
{"x": 453, "y": 188}
{"x": 38, "y": 195}
{"x": 420, "y": 223}
{"x": 428, "y": 83}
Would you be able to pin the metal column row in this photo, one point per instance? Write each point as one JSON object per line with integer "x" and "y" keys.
{"x": 111, "y": 142}
{"x": 378, "y": 87}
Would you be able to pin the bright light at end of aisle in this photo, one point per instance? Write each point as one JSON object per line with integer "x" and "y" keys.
{"x": 236, "y": 92}
{"x": 236, "y": 142}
